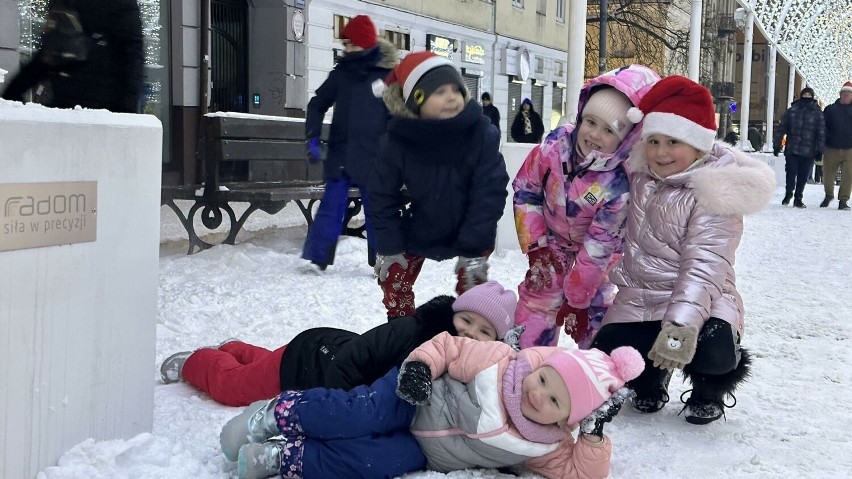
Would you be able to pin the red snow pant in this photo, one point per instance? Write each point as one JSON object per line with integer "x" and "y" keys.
{"x": 236, "y": 374}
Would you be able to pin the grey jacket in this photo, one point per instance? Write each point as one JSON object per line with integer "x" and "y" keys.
{"x": 682, "y": 236}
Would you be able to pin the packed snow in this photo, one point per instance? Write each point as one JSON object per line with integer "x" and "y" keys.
{"x": 791, "y": 419}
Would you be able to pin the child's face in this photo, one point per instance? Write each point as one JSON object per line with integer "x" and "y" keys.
{"x": 668, "y": 156}
{"x": 474, "y": 325}
{"x": 596, "y": 135}
{"x": 445, "y": 102}
{"x": 545, "y": 397}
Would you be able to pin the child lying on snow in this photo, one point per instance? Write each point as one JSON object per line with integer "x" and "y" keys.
{"x": 236, "y": 373}
{"x": 464, "y": 404}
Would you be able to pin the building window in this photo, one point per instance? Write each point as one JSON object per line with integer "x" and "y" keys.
{"x": 541, "y": 7}
{"x": 518, "y": 3}
{"x": 557, "y": 106}
{"x": 402, "y": 41}
{"x": 339, "y": 22}
{"x": 472, "y": 84}
{"x": 560, "y": 11}
{"x": 514, "y": 103}
{"x": 538, "y": 98}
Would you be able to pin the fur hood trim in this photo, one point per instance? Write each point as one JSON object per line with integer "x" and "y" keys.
{"x": 392, "y": 96}
{"x": 389, "y": 54}
{"x": 728, "y": 183}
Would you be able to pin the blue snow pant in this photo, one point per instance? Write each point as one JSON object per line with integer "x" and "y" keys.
{"x": 328, "y": 224}
{"x": 361, "y": 433}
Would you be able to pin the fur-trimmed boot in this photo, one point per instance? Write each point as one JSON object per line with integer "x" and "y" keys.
{"x": 255, "y": 424}
{"x": 707, "y": 401}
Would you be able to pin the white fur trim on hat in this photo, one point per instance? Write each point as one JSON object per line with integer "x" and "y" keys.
{"x": 635, "y": 115}
{"x": 678, "y": 127}
{"x": 420, "y": 70}
{"x": 846, "y": 87}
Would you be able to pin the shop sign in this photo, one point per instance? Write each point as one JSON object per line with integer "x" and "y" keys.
{"x": 474, "y": 53}
{"x": 441, "y": 45}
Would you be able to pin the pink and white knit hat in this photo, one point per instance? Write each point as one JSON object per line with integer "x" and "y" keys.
{"x": 591, "y": 376}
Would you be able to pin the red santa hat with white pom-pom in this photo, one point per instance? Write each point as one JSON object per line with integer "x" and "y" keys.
{"x": 680, "y": 108}
{"x": 592, "y": 376}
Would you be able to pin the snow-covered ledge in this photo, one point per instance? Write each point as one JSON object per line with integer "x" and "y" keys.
{"x": 79, "y": 226}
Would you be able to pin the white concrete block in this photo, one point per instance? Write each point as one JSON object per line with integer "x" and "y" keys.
{"x": 78, "y": 321}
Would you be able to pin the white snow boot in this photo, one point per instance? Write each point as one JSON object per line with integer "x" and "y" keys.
{"x": 254, "y": 425}
{"x": 257, "y": 461}
{"x": 170, "y": 370}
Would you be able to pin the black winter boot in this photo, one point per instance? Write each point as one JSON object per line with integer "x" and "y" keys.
{"x": 787, "y": 198}
{"x": 844, "y": 206}
{"x": 653, "y": 399}
{"x": 825, "y": 202}
{"x": 707, "y": 401}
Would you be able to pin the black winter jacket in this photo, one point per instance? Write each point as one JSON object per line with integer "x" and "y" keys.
{"x": 335, "y": 358}
{"x": 493, "y": 114}
{"x": 838, "y": 126}
{"x": 517, "y": 129}
{"x": 359, "y": 117}
{"x": 456, "y": 181}
{"x": 804, "y": 126}
{"x": 113, "y": 75}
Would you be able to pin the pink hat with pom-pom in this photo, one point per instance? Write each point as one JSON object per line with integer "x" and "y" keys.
{"x": 591, "y": 376}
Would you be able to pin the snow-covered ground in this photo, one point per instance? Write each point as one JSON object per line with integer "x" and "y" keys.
{"x": 792, "y": 419}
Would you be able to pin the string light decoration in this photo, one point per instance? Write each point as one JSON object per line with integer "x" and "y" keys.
{"x": 815, "y": 35}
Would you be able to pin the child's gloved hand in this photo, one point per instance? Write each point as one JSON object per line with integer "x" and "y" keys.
{"x": 542, "y": 260}
{"x": 415, "y": 383}
{"x": 593, "y": 423}
{"x": 472, "y": 271}
{"x": 576, "y": 321}
{"x": 513, "y": 337}
{"x": 313, "y": 149}
{"x": 674, "y": 347}
{"x": 383, "y": 264}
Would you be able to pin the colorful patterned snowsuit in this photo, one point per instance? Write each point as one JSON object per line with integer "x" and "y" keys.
{"x": 576, "y": 208}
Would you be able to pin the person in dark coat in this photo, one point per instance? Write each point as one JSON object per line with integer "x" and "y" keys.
{"x": 236, "y": 373}
{"x": 357, "y": 124}
{"x": 755, "y": 138}
{"x": 445, "y": 152}
{"x": 804, "y": 126}
{"x": 527, "y": 126}
{"x": 111, "y": 76}
{"x": 491, "y": 111}
{"x": 838, "y": 148}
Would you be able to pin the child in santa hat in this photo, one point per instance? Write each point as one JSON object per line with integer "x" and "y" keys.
{"x": 444, "y": 152}
{"x": 456, "y": 404}
{"x": 237, "y": 373}
{"x": 677, "y": 299}
{"x": 570, "y": 197}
